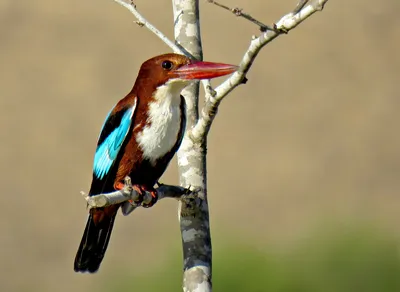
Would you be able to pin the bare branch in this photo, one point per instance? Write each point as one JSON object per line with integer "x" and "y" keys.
{"x": 141, "y": 21}
{"x": 128, "y": 193}
{"x": 239, "y": 12}
{"x": 286, "y": 23}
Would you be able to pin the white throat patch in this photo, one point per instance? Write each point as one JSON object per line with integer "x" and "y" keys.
{"x": 160, "y": 136}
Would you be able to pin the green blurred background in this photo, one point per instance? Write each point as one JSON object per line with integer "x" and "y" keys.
{"x": 304, "y": 169}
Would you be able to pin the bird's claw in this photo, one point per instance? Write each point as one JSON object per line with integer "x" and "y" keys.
{"x": 154, "y": 199}
{"x": 141, "y": 192}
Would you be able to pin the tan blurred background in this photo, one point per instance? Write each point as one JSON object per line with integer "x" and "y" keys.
{"x": 312, "y": 138}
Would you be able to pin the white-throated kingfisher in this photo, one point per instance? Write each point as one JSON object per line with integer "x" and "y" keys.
{"x": 139, "y": 138}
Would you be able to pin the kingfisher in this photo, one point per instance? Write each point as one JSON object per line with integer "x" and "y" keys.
{"x": 138, "y": 139}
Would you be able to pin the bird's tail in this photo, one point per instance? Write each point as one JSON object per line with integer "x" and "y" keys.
{"x": 95, "y": 239}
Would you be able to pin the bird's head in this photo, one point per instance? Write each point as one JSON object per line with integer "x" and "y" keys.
{"x": 177, "y": 71}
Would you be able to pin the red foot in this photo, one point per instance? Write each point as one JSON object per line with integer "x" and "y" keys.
{"x": 119, "y": 186}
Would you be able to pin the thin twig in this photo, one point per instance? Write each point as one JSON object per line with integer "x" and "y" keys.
{"x": 141, "y": 21}
{"x": 239, "y": 12}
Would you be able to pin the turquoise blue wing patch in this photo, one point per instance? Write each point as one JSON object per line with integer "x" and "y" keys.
{"x": 108, "y": 149}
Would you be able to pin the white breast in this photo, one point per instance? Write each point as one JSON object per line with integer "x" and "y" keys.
{"x": 160, "y": 135}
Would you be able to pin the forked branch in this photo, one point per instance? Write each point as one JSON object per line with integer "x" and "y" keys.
{"x": 285, "y": 24}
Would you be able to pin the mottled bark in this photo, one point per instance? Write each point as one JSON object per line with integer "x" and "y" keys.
{"x": 193, "y": 213}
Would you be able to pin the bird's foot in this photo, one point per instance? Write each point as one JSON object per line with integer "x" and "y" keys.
{"x": 154, "y": 199}
{"x": 141, "y": 190}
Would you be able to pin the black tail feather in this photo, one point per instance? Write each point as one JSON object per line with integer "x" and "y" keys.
{"x": 93, "y": 244}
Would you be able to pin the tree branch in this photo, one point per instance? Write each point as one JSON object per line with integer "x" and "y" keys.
{"x": 193, "y": 215}
{"x": 130, "y": 196}
{"x": 141, "y": 21}
{"x": 285, "y": 24}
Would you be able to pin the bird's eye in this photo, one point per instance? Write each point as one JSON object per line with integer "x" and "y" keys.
{"x": 167, "y": 65}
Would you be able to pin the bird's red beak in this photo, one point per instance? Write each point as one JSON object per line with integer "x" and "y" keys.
{"x": 204, "y": 70}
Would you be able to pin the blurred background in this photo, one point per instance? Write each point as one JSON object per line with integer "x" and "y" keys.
{"x": 303, "y": 160}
